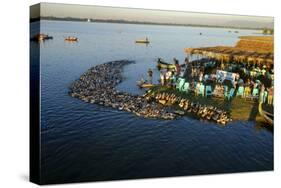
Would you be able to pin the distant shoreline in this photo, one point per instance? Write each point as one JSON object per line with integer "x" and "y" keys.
{"x": 137, "y": 22}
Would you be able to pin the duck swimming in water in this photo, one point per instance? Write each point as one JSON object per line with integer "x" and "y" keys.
{"x": 97, "y": 86}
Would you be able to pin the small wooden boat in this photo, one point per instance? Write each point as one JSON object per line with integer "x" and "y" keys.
{"x": 144, "y": 85}
{"x": 163, "y": 65}
{"x": 268, "y": 117}
{"x": 144, "y": 41}
{"x": 41, "y": 37}
{"x": 71, "y": 39}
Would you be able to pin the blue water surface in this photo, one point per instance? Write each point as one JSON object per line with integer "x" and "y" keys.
{"x": 83, "y": 142}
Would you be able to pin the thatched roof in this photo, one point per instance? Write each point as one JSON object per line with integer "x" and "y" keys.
{"x": 256, "y": 43}
{"x": 250, "y": 49}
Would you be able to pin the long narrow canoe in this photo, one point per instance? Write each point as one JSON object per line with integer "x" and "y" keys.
{"x": 71, "y": 39}
{"x": 145, "y": 85}
{"x": 41, "y": 37}
{"x": 142, "y": 41}
{"x": 163, "y": 65}
{"x": 268, "y": 117}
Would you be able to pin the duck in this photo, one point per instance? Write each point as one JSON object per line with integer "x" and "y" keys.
{"x": 186, "y": 105}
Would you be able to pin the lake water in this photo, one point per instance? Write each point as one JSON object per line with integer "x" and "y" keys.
{"x": 84, "y": 142}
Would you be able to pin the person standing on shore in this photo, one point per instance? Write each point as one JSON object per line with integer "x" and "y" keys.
{"x": 200, "y": 78}
{"x": 270, "y": 95}
{"x": 173, "y": 79}
{"x": 178, "y": 68}
{"x": 262, "y": 90}
{"x": 149, "y": 74}
{"x": 186, "y": 60}
{"x": 163, "y": 77}
{"x": 197, "y": 88}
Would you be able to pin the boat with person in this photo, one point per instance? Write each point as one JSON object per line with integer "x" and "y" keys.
{"x": 71, "y": 39}
{"x": 268, "y": 117}
{"x": 142, "y": 84}
{"x": 161, "y": 64}
{"x": 144, "y": 41}
{"x": 41, "y": 37}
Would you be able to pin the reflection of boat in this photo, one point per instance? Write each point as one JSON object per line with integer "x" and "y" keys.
{"x": 268, "y": 117}
{"x": 163, "y": 65}
{"x": 41, "y": 37}
{"x": 145, "y": 41}
{"x": 236, "y": 31}
{"x": 71, "y": 39}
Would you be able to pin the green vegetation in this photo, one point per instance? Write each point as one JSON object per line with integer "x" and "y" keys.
{"x": 267, "y": 31}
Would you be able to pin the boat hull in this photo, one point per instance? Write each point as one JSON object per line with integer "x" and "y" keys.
{"x": 265, "y": 115}
{"x": 162, "y": 65}
{"x": 145, "y": 85}
{"x": 71, "y": 40}
{"x": 142, "y": 41}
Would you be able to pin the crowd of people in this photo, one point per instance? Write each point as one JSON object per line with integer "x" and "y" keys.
{"x": 248, "y": 78}
{"x": 167, "y": 76}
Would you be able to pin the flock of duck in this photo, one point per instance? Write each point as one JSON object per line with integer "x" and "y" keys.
{"x": 201, "y": 111}
{"x": 97, "y": 86}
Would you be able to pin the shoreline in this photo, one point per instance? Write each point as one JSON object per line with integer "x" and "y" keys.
{"x": 146, "y": 23}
